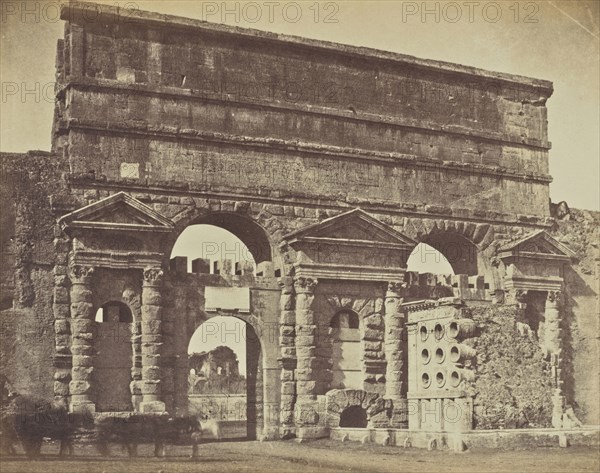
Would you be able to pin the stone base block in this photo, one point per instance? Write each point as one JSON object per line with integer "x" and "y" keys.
{"x": 82, "y": 407}
{"x": 311, "y": 433}
{"x": 152, "y": 406}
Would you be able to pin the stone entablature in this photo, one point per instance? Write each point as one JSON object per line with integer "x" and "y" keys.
{"x": 441, "y": 128}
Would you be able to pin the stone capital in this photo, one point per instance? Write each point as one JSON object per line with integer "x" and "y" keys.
{"x": 305, "y": 285}
{"x": 554, "y": 297}
{"x": 286, "y": 285}
{"x": 81, "y": 274}
{"x": 153, "y": 276}
{"x": 396, "y": 289}
{"x": 516, "y": 296}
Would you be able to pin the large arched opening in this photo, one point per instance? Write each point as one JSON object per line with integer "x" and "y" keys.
{"x": 225, "y": 382}
{"x": 114, "y": 357}
{"x": 426, "y": 259}
{"x": 223, "y": 236}
{"x": 459, "y": 251}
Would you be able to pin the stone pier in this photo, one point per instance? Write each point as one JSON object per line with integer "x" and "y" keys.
{"x": 152, "y": 340}
{"x": 395, "y": 342}
{"x": 82, "y": 343}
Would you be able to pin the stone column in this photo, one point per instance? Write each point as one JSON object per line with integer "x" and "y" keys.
{"x": 552, "y": 346}
{"x": 306, "y": 413}
{"x": 151, "y": 340}
{"x": 287, "y": 361}
{"x": 395, "y": 344}
{"x": 82, "y": 342}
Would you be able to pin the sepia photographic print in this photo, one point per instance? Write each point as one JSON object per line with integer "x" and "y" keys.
{"x": 300, "y": 236}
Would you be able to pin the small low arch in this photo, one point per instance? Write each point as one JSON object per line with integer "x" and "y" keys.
{"x": 344, "y": 318}
{"x": 354, "y": 417}
{"x": 114, "y": 311}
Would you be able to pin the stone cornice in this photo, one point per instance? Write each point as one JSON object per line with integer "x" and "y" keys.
{"x": 320, "y": 201}
{"x": 292, "y": 146}
{"x": 112, "y": 86}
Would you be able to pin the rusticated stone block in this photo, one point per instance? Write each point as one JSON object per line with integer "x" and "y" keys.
{"x": 151, "y": 372}
{"x": 61, "y": 311}
{"x": 136, "y": 387}
{"x": 150, "y": 360}
{"x": 305, "y": 340}
{"x": 371, "y": 334}
{"x": 61, "y": 327}
{"x": 61, "y": 295}
{"x": 305, "y": 317}
{"x": 82, "y": 373}
{"x": 306, "y": 352}
{"x": 79, "y": 294}
{"x": 152, "y": 327}
{"x": 306, "y": 387}
{"x": 83, "y": 360}
{"x": 152, "y": 297}
{"x": 61, "y": 388}
{"x": 288, "y": 352}
{"x": 288, "y": 388}
{"x": 80, "y": 387}
{"x": 374, "y": 321}
{"x": 287, "y": 318}
{"x": 286, "y": 416}
{"x": 150, "y": 386}
{"x": 306, "y": 414}
{"x": 82, "y": 349}
{"x": 151, "y": 313}
{"x": 372, "y": 346}
{"x": 82, "y": 310}
{"x": 287, "y": 331}
{"x": 151, "y": 349}
{"x": 62, "y": 340}
{"x": 149, "y": 338}
{"x": 63, "y": 375}
{"x": 306, "y": 330}
{"x": 286, "y": 375}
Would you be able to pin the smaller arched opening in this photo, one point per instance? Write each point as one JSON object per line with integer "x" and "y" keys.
{"x": 354, "y": 417}
{"x": 344, "y": 319}
{"x": 114, "y": 359}
{"x": 225, "y": 376}
{"x": 114, "y": 311}
{"x": 344, "y": 329}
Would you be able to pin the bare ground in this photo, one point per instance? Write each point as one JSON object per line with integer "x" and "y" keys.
{"x": 320, "y": 456}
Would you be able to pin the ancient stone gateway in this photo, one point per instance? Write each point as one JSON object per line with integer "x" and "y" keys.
{"x": 331, "y": 163}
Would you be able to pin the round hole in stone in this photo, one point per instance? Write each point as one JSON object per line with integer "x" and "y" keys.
{"x": 423, "y": 332}
{"x": 440, "y": 379}
{"x": 453, "y": 329}
{"x": 425, "y": 356}
{"x": 454, "y": 354}
{"x": 455, "y": 378}
{"x": 425, "y": 380}
{"x": 438, "y": 331}
{"x": 439, "y": 355}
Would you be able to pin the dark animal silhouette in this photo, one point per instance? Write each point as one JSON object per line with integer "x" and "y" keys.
{"x": 159, "y": 429}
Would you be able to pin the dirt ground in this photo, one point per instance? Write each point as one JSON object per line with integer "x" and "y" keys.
{"x": 320, "y": 456}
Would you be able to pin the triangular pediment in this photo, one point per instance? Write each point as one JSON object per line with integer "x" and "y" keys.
{"x": 537, "y": 244}
{"x": 356, "y": 227}
{"x": 117, "y": 212}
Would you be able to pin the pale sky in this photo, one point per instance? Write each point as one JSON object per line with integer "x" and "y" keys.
{"x": 554, "y": 40}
